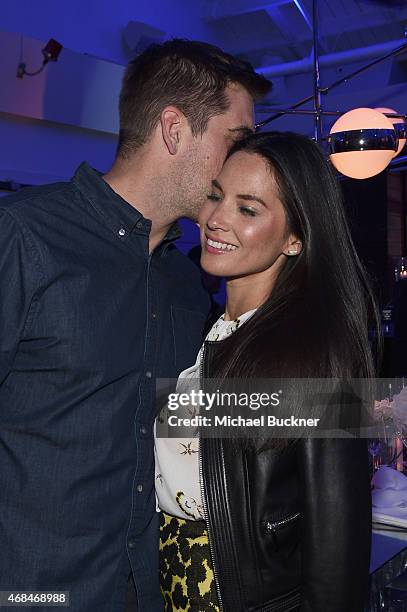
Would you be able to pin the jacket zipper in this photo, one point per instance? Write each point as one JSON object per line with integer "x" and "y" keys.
{"x": 272, "y": 526}
{"x": 287, "y": 605}
{"x": 201, "y": 482}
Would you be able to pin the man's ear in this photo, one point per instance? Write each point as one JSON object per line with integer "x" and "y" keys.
{"x": 171, "y": 121}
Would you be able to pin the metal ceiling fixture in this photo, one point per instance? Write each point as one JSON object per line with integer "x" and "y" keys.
{"x": 363, "y": 141}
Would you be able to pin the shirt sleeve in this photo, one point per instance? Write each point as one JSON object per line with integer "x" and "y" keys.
{"x": 19, "y": 281}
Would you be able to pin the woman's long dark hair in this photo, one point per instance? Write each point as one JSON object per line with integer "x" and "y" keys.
{"x": 315, "y": 321}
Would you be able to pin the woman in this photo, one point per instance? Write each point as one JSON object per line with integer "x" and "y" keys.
{"x": 273, "y": 524}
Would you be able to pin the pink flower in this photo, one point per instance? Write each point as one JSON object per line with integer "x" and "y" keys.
{"x": 400, "y": 406}
{"x": 383, "y": 409}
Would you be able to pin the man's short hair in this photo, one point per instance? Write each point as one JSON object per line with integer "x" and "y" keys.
{"x": 187, "y": 74}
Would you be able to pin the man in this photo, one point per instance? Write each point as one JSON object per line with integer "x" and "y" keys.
{"x": 95, "y": 304}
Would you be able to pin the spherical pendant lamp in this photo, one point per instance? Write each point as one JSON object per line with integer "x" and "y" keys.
{"x": 362, "y": 143}
{"x": 398, "y": 122}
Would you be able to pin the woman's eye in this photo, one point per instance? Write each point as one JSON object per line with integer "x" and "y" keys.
{"x": 249, "y": 212}
{"x": 213, "y": 197}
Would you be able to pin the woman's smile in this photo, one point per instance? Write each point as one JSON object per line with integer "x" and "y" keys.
{"x": 216, "y": 246}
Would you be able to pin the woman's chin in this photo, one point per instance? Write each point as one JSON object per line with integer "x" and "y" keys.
{"x": 212, "y": 270}
{"x": 218, "y": 264}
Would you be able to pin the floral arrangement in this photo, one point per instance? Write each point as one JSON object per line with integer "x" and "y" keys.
{"x": 391, "y": 415}
{"x": 399, "y": 408}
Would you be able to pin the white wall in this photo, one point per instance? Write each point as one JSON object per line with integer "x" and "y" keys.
{"x": 51, "y": 122}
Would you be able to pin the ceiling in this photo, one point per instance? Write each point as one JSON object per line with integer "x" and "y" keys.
{"x": 277, "y": 31}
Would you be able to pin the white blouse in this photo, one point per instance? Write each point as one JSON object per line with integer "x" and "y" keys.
{"x": 177, "y": 481}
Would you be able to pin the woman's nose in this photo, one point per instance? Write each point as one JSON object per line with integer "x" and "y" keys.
{"x": 219, "y": 219}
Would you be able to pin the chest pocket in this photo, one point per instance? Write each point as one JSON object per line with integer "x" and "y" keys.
{"x": 283, "y": 535}
{"x": 187, "y": 329}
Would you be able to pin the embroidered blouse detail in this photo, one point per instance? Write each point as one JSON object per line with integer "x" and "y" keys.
{"x": 177, "y": 483}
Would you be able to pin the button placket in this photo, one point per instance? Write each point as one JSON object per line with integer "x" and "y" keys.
{"x": 143, "y": 425}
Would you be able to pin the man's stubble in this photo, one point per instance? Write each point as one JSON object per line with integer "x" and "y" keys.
{"x": 187, "y": 187}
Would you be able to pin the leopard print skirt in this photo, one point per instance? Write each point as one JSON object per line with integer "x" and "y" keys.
{"x": 186, "y": 574}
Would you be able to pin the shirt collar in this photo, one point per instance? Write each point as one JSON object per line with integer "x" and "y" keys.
{"x": 119, "y": 214}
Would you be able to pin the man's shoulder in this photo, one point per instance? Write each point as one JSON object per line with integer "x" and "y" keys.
{"x": 37, "y": 197}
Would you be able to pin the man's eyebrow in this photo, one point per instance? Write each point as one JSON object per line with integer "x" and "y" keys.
{"x": 251, "y": 198}
{"x": 242, "y": 131}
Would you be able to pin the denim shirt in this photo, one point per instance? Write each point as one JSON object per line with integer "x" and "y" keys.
{"x": 88, "y": 321}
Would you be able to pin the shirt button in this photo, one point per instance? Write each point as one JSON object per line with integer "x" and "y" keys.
{"x": 131, "y": 544}
{"x": 122, "y": 231}
{"x": 139, "y": 488}
{"x": 143, "y": 430}
{"x": 139, "y": 225}
{"x": 154, "y": 315}
{"x": 148, "y": 374}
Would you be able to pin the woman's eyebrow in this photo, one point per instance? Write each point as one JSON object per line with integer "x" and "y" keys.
{"x": 251, "y": 198}
{"x": 243, "y": 196}
{"x": 217, "y": 185}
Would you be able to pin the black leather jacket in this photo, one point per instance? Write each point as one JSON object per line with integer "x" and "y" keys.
{"x": 288, "y": 530}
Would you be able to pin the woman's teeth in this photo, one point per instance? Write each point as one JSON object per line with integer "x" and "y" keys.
{"x": 221, "y": 245}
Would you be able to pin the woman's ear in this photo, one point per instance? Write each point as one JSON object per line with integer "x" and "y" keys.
{"x": 294, "y": 247}
{"x": 170, "y": 120}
